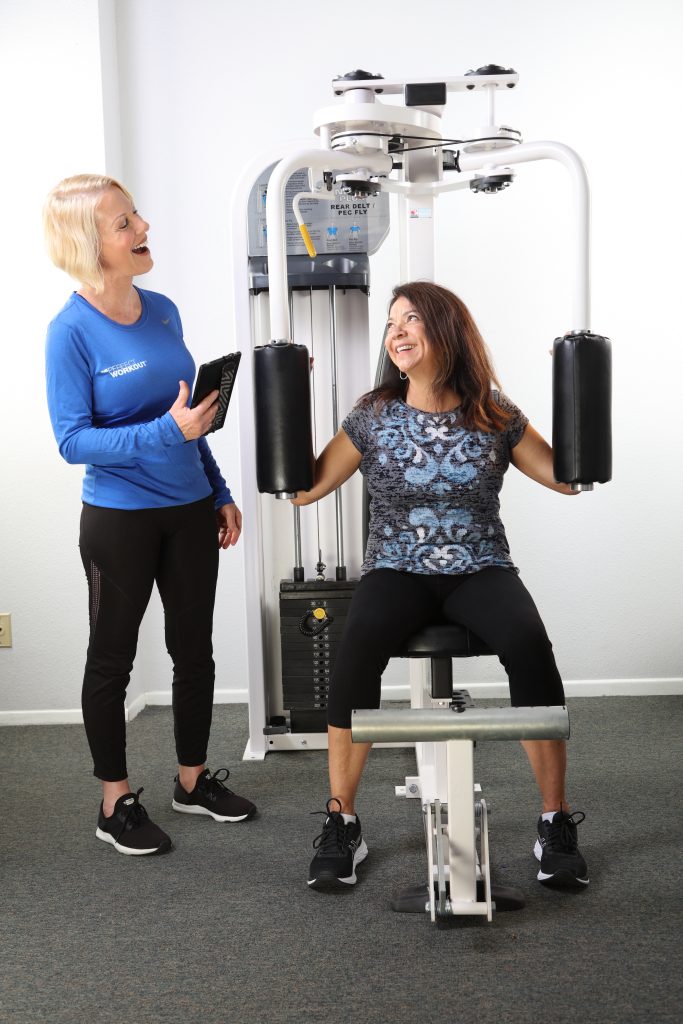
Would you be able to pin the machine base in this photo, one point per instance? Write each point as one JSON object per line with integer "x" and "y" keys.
{"x": 415, "y": 899}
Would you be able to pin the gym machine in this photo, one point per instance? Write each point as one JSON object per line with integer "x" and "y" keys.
{"x": 458, "y": 879}
{"x": 292, "y": 644}
{"x": 315, "y": 215}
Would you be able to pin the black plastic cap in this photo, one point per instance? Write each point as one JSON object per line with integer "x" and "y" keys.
{"x": 492, "y": 69}
{"x": 357, "y": 76}
{"x": 426, "y": 94}
{"x": 491, "y": 183}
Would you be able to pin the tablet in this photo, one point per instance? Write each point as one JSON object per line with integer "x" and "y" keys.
{"x": 218, "y": 375}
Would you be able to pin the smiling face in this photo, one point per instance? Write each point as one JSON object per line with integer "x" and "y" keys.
{"x": 123, "y": 237}
{"x": 407, "y": 343}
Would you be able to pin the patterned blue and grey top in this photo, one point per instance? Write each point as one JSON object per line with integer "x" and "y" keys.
{"x": 433, "y": 487}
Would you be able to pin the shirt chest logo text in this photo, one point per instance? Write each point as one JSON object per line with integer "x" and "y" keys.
{"x": 120, "y": 369}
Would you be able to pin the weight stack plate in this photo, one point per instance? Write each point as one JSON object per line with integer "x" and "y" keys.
{"x": 320, "y": 607}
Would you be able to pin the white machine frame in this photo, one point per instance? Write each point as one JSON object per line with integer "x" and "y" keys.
{"x": 353, "y": 136}
{"x": 456, "y": 816}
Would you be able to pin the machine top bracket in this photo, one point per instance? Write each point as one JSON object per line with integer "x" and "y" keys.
{"x": 482, "y": 78}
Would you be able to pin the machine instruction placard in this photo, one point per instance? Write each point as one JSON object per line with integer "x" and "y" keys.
{"x": 345, "y": 224}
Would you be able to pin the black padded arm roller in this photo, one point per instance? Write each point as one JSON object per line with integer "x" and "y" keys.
{"x": 582, "y": 408}
{"x": 282, "y": 399}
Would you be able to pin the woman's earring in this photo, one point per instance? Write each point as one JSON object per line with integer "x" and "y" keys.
{"x": 402, "y": 375}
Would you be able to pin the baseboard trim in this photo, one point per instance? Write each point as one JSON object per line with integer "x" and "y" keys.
{"x": 496, "y": 691}
{"x": 161, "y": 698}
{"x": 66, "y": 716}
{"x": 74, "y": 716}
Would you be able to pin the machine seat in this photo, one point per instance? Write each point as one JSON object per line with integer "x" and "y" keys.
{"x": 443, "y": 640}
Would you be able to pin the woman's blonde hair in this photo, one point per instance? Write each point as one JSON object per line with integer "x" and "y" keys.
{"x": 70, "y": 221}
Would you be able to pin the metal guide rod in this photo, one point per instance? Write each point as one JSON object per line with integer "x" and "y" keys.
{"x": 339, "y": 519}
{"x": 298, "y": 563}
{"x": 319, "y": 567}
{"x": 432, "y": 724}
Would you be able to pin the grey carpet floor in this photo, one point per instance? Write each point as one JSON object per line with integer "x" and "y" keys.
{"x": 224, "y": 928}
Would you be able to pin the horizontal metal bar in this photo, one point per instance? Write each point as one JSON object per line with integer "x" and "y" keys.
{"x": 431, "y": 724}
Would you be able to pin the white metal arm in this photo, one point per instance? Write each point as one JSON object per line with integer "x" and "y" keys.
{"x": 528, "y": 151}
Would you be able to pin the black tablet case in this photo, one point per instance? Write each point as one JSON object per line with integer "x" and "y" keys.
{"x": 218, "y": 375}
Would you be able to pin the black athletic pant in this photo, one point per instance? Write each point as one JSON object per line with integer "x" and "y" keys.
{"x": 124, "y": 553}
{"x": 389, "y": 606}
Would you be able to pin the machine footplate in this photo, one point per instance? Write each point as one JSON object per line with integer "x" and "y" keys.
{"x": 507, "y": 898}
{"x": 415, "y": 899}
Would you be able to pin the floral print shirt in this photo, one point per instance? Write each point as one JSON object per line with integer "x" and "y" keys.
{"x": 433, "y": 487}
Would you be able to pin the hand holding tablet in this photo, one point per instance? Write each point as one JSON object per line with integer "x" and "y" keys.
{"x": 218, "y": 375}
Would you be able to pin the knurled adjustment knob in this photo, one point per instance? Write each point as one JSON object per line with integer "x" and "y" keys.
{"x": 358, "y": 76}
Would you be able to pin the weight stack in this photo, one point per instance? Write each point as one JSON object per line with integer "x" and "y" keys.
{"x": 320, "y": 607}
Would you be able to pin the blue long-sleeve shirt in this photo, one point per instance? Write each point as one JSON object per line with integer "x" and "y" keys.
{"x": 109, "y": 389}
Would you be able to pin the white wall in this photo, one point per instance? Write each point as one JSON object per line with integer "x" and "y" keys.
{"x": 52, "y": 125}
{"x": 202, "y": 87}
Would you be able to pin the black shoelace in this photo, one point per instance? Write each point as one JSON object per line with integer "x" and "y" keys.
{"x": 333, "y": 839}
{"x": 562, "y": 834}
{"x": 135, "y": 816}
{"x": 214, "y": 785}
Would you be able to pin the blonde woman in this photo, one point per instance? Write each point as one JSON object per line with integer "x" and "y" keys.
{"x": 155, "y": 506}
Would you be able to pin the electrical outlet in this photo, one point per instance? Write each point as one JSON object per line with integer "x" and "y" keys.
{"x": 5, "y": 629}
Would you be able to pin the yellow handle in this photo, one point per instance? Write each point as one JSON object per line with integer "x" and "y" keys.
{"x": 310, "y": 248}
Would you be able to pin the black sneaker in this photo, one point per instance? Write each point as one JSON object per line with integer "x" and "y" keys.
{"x": 211, "y": 796}
{"x": 129, "y": 829}
{"x": 558, "y": 851}
{"x": 340, "y": 848}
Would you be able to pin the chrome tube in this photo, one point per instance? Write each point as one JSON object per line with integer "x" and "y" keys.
{"x": 429, "y": 725}
{"x": 339, "y": 515}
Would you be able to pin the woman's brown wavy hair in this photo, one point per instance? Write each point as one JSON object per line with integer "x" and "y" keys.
{"x": 464, "y": 361}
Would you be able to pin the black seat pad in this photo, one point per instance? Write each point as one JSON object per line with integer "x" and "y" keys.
{"x": 443, "y": 640}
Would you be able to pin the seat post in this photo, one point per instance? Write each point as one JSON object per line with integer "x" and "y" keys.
{"x": 441, "y": 677}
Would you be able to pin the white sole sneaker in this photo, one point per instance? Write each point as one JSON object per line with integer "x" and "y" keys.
{"x": 196, "y": 809}
{"x": 561, "y": 877}
{"x": 108, "y": 838}
{"x": 328, "y": 880}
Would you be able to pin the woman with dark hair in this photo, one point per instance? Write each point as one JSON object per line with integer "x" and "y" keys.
{"x": 434, "y": 445}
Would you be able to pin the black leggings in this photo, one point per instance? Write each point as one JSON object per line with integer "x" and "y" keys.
{"x": 389, "y": 606}
{"x": 124, "y": 552}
